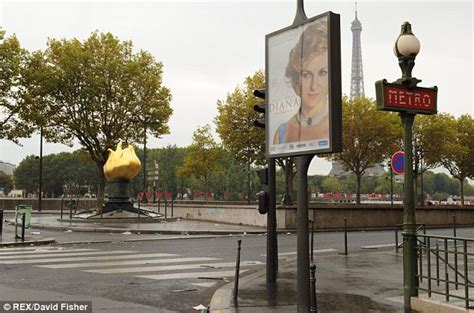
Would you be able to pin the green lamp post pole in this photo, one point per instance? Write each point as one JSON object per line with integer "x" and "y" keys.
{"x": 406, "y": 48}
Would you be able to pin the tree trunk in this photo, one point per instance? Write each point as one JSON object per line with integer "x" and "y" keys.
{"x": 359, "y": 176}
{"x": 462, "y": 191}
{"x": 101, "y": 187}
{"x": 248, "y": 182}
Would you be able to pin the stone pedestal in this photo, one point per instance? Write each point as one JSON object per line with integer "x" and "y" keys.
{"x": 119, "y": 197}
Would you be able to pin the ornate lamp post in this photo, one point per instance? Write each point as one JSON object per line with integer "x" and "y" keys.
{"x": 406, "y": 97}
{"x": 406, "y": 48}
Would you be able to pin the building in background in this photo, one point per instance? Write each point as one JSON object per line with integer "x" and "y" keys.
{"x": 7, "y": 168}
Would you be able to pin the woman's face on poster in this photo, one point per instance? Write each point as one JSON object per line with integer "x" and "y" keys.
{"x": 314, "y": 81}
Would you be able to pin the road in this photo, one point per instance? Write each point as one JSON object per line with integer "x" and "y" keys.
{"x": 161, "y": 275}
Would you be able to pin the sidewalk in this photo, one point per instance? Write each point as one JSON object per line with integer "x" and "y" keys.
{"x": 369, "y": 282}
{"x": 45, "y": 227}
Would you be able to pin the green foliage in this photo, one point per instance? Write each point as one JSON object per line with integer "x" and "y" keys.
{"x": 234, "y": 122}
{"x": 72, "y": 173}
{"x": 6, "y": 183}
{"x": 97, "y": 91}
{"x": 457, "y": 154}
{"x": 12, "y": 59}
{"x": 369, "y": 136}
{"x": 332, "y": 184}
{"x": 203, "y": 158}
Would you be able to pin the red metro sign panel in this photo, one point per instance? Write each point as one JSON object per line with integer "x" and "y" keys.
{"x": 395, "y": 97}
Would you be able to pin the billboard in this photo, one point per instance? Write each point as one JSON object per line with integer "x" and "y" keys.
{"x": 303, "y": 71}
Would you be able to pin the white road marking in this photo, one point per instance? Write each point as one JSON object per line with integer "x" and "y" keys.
{"x": 205, "y": 285}
{"x": 40, "y": 251}
{"x": 295, "y": 252}
{"x": 49, "y": 255}
{"x": 166, "y": 268}
{"x": 88, "y": 258}
{"x": 379, "y": 246}
{"x": 192, "y": 275}
{"x": 135, "y": 262}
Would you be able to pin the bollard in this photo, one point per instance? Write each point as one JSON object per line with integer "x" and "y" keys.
{"x": 166, "y": 208}
{"x": 172, "y": 207}
{"x": 312, "y": 239}
{"x": 396, "y": 239}
{"x": 313, "y": 305}
{"x": 23, "y": 223}
{"x": 237, "y": 272}
{"x": 454, "y": 225}
{"x": 345, "y": 236}
{"x": 1, "y": 223}
{"x": 62, "y": 206}
{"x": 159, "y": 205}
{"x": 70, "y": 209}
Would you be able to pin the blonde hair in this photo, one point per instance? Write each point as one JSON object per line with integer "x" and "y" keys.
{"x": 312, "y": 43}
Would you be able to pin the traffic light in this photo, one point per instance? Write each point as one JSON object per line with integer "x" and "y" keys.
{"x": 262, "y": 197}
{"x": 260, "y": 108}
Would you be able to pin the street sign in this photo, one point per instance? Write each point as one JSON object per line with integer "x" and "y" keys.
{"x": 401, "y": 98}
{"x": 398, "y": 162}
{"x": 400, "y": 178}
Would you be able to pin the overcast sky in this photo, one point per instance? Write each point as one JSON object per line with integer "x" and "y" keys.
{"x": 209, "y": 47}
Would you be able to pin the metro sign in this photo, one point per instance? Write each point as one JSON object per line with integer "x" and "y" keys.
{"x": 401, "y": 98}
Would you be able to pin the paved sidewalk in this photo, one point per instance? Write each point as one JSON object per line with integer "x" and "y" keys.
{"x": 368, "y": 282}
{"x": 45, "y": 229}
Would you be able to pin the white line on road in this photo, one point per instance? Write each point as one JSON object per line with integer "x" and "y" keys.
{"x": 89, "y": 258}
{"x": 39, "y": 251}
{"x": 80, "y": 253}
{"x": 379, "y": 246}
{"x": 135, "y": 262}
{"x": 294, "y": 252}
{"x": 169, "y": 267}
{"x": 192, "y": 275}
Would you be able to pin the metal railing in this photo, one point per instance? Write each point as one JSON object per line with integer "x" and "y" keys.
{"x": 399, "y": 228}
{"x": 450, "y": 268}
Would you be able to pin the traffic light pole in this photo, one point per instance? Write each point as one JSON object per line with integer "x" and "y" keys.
{"x": 272, "y": 240}
{"x": 302, "y": 239}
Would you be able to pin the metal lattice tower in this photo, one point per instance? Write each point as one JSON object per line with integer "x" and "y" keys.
{"x": 357, "y": 73}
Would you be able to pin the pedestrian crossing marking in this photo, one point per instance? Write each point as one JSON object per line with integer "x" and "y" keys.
{"x": 68, "y": 253}
{"x": 192, "y": 275}
{"x": 134, "y": 262}
{"x": 40, "y": 251}
{"x": 88, "y": 258}
{"x": 166, "y": 268}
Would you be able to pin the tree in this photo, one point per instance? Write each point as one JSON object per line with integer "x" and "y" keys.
{"x": 6, "y": 183}
{"x": 12, "y": 62}
{"x": 203, "y": 157}
{"x": 457, "y": 155}
{"x": 369, "y": 136}
{"x": 97, "y": 91}
{"x": 235, "y": 124}
{"x": 430, "y": 132}
{"x": 332, "y": 184}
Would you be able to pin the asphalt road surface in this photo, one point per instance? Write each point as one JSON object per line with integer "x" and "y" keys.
{"x": 163, "y": 275}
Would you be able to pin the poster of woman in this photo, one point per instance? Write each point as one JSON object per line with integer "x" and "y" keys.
{"x": 298, "y": 71}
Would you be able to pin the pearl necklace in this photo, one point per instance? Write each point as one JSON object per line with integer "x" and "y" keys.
{"x": 312, "y": 120}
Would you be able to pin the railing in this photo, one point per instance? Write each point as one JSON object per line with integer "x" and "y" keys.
{"x": 450, "y": 268}
{"x": 399, "y": 228}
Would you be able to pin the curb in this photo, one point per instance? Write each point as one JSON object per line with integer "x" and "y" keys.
{"x": 221, "y": 301}
{"x": 27, "y": 243}
{"x": 144, "y": 231}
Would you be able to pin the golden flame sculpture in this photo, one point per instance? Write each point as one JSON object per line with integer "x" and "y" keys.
{"x": 122, "y": 164}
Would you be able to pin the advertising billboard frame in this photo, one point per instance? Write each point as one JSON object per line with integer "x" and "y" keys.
{"x": 334, "y": 88}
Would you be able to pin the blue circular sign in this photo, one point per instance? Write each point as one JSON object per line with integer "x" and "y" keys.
{"x": 398, "y": 162}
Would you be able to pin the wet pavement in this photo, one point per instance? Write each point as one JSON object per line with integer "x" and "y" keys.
{"x": 369, "y": 282}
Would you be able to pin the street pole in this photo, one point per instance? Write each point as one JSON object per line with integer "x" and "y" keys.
{"x": 40, "y": 189}
{"x": 391, "y": 185}
{"x": 302, "y": 239}
{"x": 272, "y": 239}
{"x": 144, "y": 199}
{"x": 422, "y": 198}
{"x": 409, "y": 221}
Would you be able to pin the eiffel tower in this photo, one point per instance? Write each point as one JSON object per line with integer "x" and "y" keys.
{"x": 357, "y": 73}
{"x": 357, "y": 90}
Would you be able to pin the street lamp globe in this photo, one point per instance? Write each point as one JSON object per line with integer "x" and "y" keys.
{"x": 406, "y": 45}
